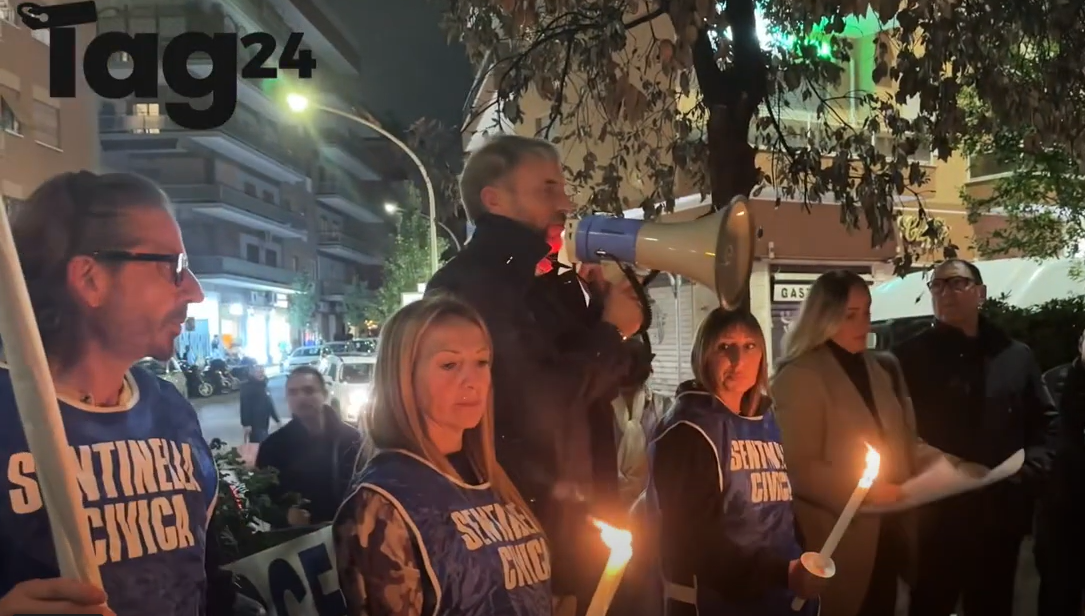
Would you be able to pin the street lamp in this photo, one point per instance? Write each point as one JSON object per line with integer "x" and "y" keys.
{"x": 392, "y": 209}
{"x": 298, "y": 103}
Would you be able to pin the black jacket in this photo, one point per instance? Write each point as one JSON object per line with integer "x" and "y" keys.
{"x": 257, "y": 409}
{"x": 1070, "y": 455}
{"x": 982, "y": 399}
{"x": 557, "y": 367}
{"x": 318, "y": 467}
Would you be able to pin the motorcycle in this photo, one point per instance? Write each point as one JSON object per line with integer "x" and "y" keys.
{"x": 198, "y": 387}
{"x": 218, "y": 375}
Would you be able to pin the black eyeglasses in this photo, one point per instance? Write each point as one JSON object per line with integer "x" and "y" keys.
{"x": 951, "y": 283}
{"x": 178, "y": 262}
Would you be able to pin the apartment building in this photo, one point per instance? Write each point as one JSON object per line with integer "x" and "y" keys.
{"x": 797, "y": 245}
{"x": 264, "y": 199}
{"x": 40, "y": 136}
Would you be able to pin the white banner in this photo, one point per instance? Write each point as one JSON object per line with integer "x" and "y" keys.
{"x": 296, "y": 578}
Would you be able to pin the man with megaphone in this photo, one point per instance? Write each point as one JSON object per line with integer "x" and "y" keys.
{"x": 557, "y": 358}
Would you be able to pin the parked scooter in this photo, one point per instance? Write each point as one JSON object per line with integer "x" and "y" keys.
{"x": 198, "y": 387}
{"x": 218, "y": 375}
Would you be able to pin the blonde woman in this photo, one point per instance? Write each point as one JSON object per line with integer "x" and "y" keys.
{"x": 434, "y": 527}
{"x": 833, "y": 399}
{"x": 719, "y": 485}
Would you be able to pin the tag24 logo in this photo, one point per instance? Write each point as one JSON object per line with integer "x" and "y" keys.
{"x": 220, "y": 83}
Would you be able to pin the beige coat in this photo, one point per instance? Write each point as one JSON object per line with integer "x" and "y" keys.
{"x": 825, "y": 426}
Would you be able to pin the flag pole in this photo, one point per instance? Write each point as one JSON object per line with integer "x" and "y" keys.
{"x": 35, "y": 397}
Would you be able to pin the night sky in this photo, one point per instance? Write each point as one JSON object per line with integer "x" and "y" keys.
{"x": 408, "y": 69}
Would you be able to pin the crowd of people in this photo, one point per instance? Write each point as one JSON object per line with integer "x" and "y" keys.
{"x": 511, "y": 414}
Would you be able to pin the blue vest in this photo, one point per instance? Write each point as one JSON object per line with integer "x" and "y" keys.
{"x": 481, "y": 557}
{"x": 757, "y": 498}
{"x": 148, "y": 480}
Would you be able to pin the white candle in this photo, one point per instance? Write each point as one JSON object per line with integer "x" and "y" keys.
{"x": 870, "y": 473}
{"x": 620, "y": 543}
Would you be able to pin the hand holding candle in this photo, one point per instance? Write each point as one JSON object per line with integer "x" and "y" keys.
{"x": 870, "y": 473}
{"x": 620, "y": 543}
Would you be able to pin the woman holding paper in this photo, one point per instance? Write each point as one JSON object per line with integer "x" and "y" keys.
{"x": 719, "y": 485}
{"x": 836, "y": 400}
{"x": 434, "y": 527}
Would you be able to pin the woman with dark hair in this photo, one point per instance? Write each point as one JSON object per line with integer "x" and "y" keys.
{"x": 314, "y": 452}
{"x": 719, "y": 485}
{"x": 834, "y": 400}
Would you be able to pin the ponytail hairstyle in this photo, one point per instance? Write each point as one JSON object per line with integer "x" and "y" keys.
{"x": 69, "y": 215}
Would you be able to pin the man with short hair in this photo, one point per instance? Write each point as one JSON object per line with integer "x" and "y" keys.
{"x": 558, "y": 361}
{"x": 109, "y": 284}
{"x": 978, "y": 395}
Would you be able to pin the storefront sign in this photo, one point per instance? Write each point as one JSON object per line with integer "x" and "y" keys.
{"x": 794, "y": 292}
{"x": 296, "y": 578}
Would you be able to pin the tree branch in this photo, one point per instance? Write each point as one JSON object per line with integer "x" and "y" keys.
{"x": 559, "y": 100}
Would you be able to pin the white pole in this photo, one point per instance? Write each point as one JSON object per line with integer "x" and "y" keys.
{"x": 434, "y": 262}
{"x": 36, "y": 399}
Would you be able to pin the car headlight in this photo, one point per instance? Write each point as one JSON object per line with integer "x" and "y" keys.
{"x": 358, "y": 399}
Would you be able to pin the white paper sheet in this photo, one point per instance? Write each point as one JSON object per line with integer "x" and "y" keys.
{"x": 944, "y": 478}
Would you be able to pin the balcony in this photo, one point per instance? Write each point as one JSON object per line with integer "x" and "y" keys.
{"x": 338, "y": 154}
{"x": 234, "y": 140}
{"x": 235, "y": 206}
{"x": 336, "y": 244}
{"x": 334, "y": 290}
{"x": 336, "y": 196}
{"x": 239, "y": 273}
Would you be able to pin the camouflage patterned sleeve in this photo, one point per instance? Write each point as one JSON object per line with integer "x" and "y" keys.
{"x": 377, "y": 559}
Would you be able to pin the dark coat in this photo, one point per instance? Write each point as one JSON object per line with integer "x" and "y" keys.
{"x": 257, "y": 408}
{"x": 982, "y": 399}
{"x": 557, "y": 367}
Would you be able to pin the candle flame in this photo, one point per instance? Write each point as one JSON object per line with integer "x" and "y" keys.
{"x": 619, "y": 541}
{"x": 873, "y": 463}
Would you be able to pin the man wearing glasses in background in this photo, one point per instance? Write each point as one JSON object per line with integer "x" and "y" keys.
{"x": 977, "y": 394}
{"x": 109, "y": 283}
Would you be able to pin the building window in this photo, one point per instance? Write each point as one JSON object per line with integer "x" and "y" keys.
{"x": 10, "y": 203}
{"x": 297, "y": 265}
{"x": 46, "y": 124}
{"x": 8, "y": 120}
{"x": 7, "y": 13}
{"x": 252, "y": 253}
{"x": 147, "y": 118}
{"x": 271, "y": 258}
{"x": 268, "y": 196}
{"x": 250, "y": 189}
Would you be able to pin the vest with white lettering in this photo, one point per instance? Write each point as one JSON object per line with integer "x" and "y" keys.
{"x": 757, "y": 499}
{"x": 481, "y": 556}
{"x": 148, "y": 481}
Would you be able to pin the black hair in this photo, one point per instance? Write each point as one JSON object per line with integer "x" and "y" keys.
{"x": 308, "y": 371}
{"x": 971, "y": 267}
{"x": 69, "y": 215}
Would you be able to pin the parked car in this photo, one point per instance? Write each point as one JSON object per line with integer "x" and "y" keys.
{"x": 365, "y": 345}
{"x": 350, "y": 381}
{"x": 302, "y": 356}
{"x": 169, "y": 370}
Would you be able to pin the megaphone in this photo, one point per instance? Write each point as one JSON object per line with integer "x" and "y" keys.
{"x": 715, "y": 251}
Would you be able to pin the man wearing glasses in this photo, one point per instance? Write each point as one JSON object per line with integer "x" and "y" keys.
{"x": 978, "y": 394}
{"x": 109, "y": 284}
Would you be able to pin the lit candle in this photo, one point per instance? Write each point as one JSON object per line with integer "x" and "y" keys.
{"x": 870, "y": 473}
{"x": 620, "y": 543}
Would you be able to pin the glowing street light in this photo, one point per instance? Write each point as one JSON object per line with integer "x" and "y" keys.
{"x": 390, "y": 208}
{"x": 299, "y": 103}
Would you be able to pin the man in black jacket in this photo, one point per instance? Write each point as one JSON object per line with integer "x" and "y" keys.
{"x": 558, "y": 360}
{"x": 978, "y": 394}
{"x": 1060, "y": 536}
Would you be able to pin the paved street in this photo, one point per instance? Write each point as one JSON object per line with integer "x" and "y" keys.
{"x": 219, "y": 415}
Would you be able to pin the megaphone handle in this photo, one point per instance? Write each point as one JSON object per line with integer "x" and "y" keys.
{"x": 638, "y": 288}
